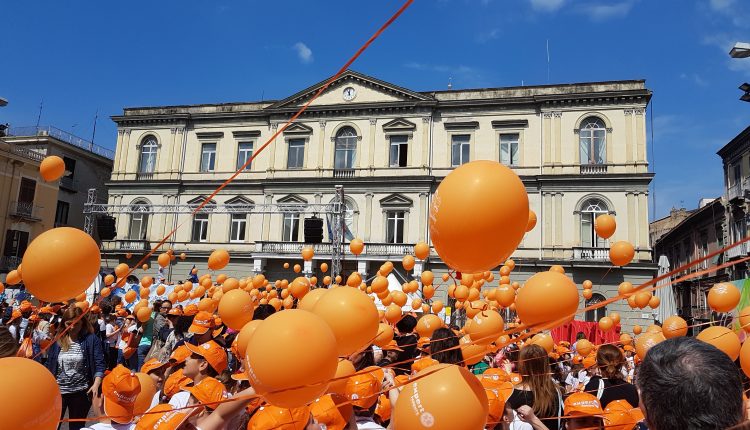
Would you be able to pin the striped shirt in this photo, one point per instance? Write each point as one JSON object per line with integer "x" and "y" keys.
{"x": 71, "y": 370}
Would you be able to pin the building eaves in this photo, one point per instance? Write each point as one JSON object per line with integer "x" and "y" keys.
{"x": 743, "y": 138}
{"x": 690, "y": 218}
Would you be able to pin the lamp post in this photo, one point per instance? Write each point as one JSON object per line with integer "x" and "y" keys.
{"x": 742, "y": 50}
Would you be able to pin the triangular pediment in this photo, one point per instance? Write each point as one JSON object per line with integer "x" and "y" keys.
{"x": 194, "y": 203}
{"x": 292, "y": 198}
{"x": 366, "y": 90}
{"x": 396, "y": 200}
{"x": 297, "y": 128}
{"x": 239, "y": 204}
{"x": 399, "y": 124}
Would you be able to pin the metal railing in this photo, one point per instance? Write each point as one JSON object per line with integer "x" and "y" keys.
{"x": 126, "y": 244}
{"x": 343, "y": 173}
{"x": 147, "y": 176}
{"x": 25, "y": 210}
{"x": 69, "y": 183}
{"x": 594, "y": 254}
{"x": 62, "y": 136}
{"x": 382, "y": 249}
{"x": 738, "y": 190}
{"x": 27, "y": 152}
{"x": 593, "y": 169}
{"x": 9, "y": 262}
{"x": 737, "y": 251}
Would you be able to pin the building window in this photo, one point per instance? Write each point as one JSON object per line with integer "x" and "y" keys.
{"x": 394, "y": 229}
{"x": 399, "y": 150}
{"x": 346, "y": 148}
{"x": 147, "y": 162}
{"x": 138, "y": 221}
{"x": 295, "y": 158}
{"x": 200, "y": 228}
{"x": 208, "y": 157}
{"x": 509, "y": 149}
{"x": 237, "y": 228}
{"x": 290, "y": 230}
{"x": 593, "y": 141}
{"x": 70, "y": 167}
{"x": 595, "y": 315}
{"x": 16, "y": 242}
{"x": 459, "y": 149}
{"x": 61, "y": 213}
{"x": 719, "y": 237}
{"x": 27, "y": 191}
{"x": 244, "y": 153}
{"x": 590, "y": 210}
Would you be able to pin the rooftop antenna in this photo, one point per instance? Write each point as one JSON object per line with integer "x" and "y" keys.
{"x": 548, "y": 61}
{"x": 450, "y": 82}
{"x": 93, "y": 133}
{"x": 39, "y": 117}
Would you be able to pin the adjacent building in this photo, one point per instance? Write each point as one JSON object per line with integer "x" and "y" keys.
{"x": 735, "y": 157}
{"x": 580, "y": 149}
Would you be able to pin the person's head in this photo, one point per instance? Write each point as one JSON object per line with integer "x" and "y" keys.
{"x": 580, "y": 336}
{"x": 76, "y": 326}
{"x": 363, "y": 358}
{"x": 164, "y": 307}
{"x": 8, "y": 345}
{"x": 444, "y": 347}
{"x": 610, "y": 360}
{"x": 583, "y": 411}
{"x": 390, "y": 353}
{"x": 362, "y": 390}
{"x": 406, "y": 325}
{"x": 117, "y": 395}
{"x": 155, "y": 370}
{"x": 533, "y": 366}
{"x": 686, "y": 383}
{"x": 207, "y": 359}
{"x": 263, "y": 311}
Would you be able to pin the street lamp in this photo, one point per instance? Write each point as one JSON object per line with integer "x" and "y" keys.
{"x": 746, "y": 88}
{"x": 3, "y": 102}
{"x": 740, "y": 50}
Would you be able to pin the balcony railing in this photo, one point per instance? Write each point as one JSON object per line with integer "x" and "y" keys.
{"x": 27, "y": 152}
{"x": 69, "y": 183}
{"x": 147, "y": 176}
{"x": 9, "y": 262}
{"x": 591, "y": 254}
{"x": 738, "y": 190}
{"x": 63, "y": 136}
{"x": 379, "y": 249}
{"x": 737, "y": 251}
{"x": 126, "y": 245}
{"x": 343, "y": 173}
{"x": 26, "y": 210}
{"x": 593, "y": 169}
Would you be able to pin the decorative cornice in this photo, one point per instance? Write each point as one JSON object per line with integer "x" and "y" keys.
{"x": 511, "y": 123}
{"x": 210, "y": 135}
{"x": 461, "y": 125}
{"x": 241, "y": 134}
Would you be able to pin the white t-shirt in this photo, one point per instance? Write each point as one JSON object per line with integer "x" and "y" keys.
{"x": 110, "y": 426}
{"x": 180, "y": 400}
{"x": 517, "y": 424}
{"x": 111, "y": 338}
{"x": 366, "y": 423}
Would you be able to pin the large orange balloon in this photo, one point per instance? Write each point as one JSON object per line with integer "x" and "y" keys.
{"x": 723, "y": 297}
{"x": 437, "y": 306}
{"x": 433, "y": 401}
{"x": 356, "y": 246}
{"x": 52, "y": 168}
{"x": 385, "y": 335}
{"x": 605, "y": 226}
{"x": 408, "y": 262}
{"x": 745, "y": 358}
{"x": 544, "y": 340}
{"x": 299, "y": 287}
{"x": 275, "y": 364}
{"x": 243, "y": 338}
{"x": 310, "y": 299}
{"x": 422, "y": 250}
{"x": 745, "y": 318}
{"x": 163, "y": 259}
{"x": 472, "y": 352}
{"x": 584, "y": 347}
{"x": 34, "y": 402}
{"x": 531, "y": 223}
{"x": 428, "y": 324}
{"x": 674, "y": 326}
{"x": 485, "y": 327}
{"x": 621, "y": 253}
{"x": 533, "y": 302}
{"x": 647, "y": 341}
{"x": 606, "y": 323}
{"x": 76, "y": 260}
{"x": 723, "y": 338}
{"x": 146, "y": 396}
{"x": 352, "y": 316}
{"x": 13, "y": 277}
{"x": 307, "y": 253}
{"x": 481, "y": 238}
{"x": 338, "y": 385}
{"x": 505, "y": 295}
{"x": 236, "y": 308}
{"x": 218, "y": 259}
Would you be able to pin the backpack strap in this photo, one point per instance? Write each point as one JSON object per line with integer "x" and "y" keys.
{"x": 600, "y": 390}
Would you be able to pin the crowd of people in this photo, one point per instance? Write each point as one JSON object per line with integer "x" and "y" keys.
{"x": 181, "y": 369}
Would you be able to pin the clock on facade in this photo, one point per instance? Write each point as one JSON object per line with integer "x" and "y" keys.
{"x": 349, "y": 93}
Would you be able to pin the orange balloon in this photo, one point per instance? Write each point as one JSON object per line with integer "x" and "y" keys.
{"x": 385, "y": 335}
{"x": 130, "y": 296}
{"x": 485, "y": 327}
{"x": 356, "y": 246}
{"x": 351, "y": 315}
{"x": 144, "y": 267}
{"x": 605, "y": 226}
{"x": 236, "y": 308}
{"x": 647, "y": 341}
{"x": 354, "y": 280}
{"x": 108, "y": 280}
{"x": 504, "y": 271}
{"x": 584, "y": 347}
{"x": 499, "y": 226}
{"x": 243, "y": 337}
{"x": 422, "y": 250}
{"x": 52, "y": 168}
{"x": 674, "y": 326}
{"x": 218, "y": 259}
{"x": 557, "y": 268}
{"x": 505, "y": 295}
{"x": 105, "y": 292}
{"x": 310, "y": 299}
{"x": 121, "y": 270}
{"x": 722, "y": 338}
{"x": 274, "y": 366}
{"x": 625, "y": 288}
{"x": 299, "y": 287}
{"x": 428, "y": 292}
{"x": 286, "y": 265}
{"x": 35, "y": 402}
{"x": 531, "y": 223}
{"x": 637, "y": 330}
{"x": 147, "y": 281}
{"x": 182, "y": 296}
{"x": 473, "y": 353}
{"x": 642, "y": 299}
{"x": 208, "y": 305}
{"x": 146, "y": 396}
{"x": 145, "y": 292}
{"x": 407, "y": 262}
{"x": 221, "y": 278}
{"x": 654, "y": 302}
{"x": 621, "y": 253}
{"x": 428, "y": 324}
{"x": 143, "y": 314}
{"x": 182, "y": 256}
{"x": 323, "y": 267}
{"x": 534, "y": 306}
{"x": 587, "y": 294}
{"x": 745, "y": 319}
{"x": 615, "y": 317}
{"x": 297, "y": 268}
{"x": 626, "y": 339}
{"x": 461, "y": 292}
{"x": 229, "y": 284}
{"x": 76, "y": 256}
{"x": 163, "y": 259}
{"x": 393, "y": 313}
{"x": 172, "y": 297}
{"x": 338, "y": 385}
{"x": 587, "y": 285}
{"x": 399, "y": 298}
{"x": 544, "y": 340}
{"x": 723, "y": 297}
{"x": 745, "y": 358}
{"x": 307, "y": 253}
{"x": 437, "y": 306}
{"x": 606, "y": 323}
{"x": 444, "y": 390}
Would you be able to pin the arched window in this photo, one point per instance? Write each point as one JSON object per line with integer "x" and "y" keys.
{"x": 591, "y": 209}
{"x": 598, "y": 313}
{"x": 593, "y": 141}
{"x": 147, "y": 162}
{"x": 346, "y": 148}
{"x": 138, "y": 220}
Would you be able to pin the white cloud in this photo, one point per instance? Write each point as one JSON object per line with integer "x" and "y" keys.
{"x": 546, "y": 5}
{"x": 489, "y": 35}
{"x": 695, "y": 78}
{"x": 721, "y": 5}
{"x": 601, "y": 12}
{"x": 304, "y": 53}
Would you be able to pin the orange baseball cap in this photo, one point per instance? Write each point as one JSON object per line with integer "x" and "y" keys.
{"x": 515, "y": 378}
{"x": 179, "y": 355}
{"x": 202, "y": 322}
{"x": 621, "y": 415}
{"x": 152, "y": 364}
{"x": 496, "y": 403}
{"x": 628, "y": 348}
{"x": 589, "y": 361}
{"x": 583, "y": 404}
{"x": 120, "y": 389}
{"x": 14, "y": 316}
{"x": 46, "y": 310}
{"x": 175, "y": 383}
{"x": 423, "y": 342}
{"x": 493, "y": 377}
{"x": 209, "y": 390}
{"x": 391, "y": 346}
{"x": 95, "y": 309}
{"x": 175, "y": 312}
{"x": 401, "y": 380}
{"x": 363, "y": 387}
{"x": 332, "y": 410}
{"x": 164, "y": 417}
{"x": 383, "y": 409}
{"x": 191, "y": 310}
{"x": 212, "y": 352}
{"x": 423, "y": 363}
{"x": 273, "y": 417}
{"x": 25, "y": 306}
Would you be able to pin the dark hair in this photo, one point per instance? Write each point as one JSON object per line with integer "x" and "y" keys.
{"x": 263, "y": 311}
{"x": 444, "y": 347}
{"x": 8, "y": 345}
{"x": 688, "y": 384}
{"x": 407, "y": 324}
{"x": 182, "y": 325}
{"x": 580, "y": 335}
{"x": 156, "y": 305}
{"x": 366, "y": 358}
{"x": 610, "y": 360}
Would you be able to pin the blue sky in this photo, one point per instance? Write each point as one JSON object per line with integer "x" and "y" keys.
{"x": 84, "y": 56}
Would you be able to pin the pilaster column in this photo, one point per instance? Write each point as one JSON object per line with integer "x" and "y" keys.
{"x": 124, "y": 157}
{"x": 557, "y": 138}
{"x": 426, "y": 130}
{"x": 368, "y": 215}
{"x": 643, "y": 220}
{"x": 371, "y": 147}
{"x": 422, "y": 216}
{"x": 640, "y": 127}
{"x": 632, "y": 221}
{"x": 547, "y": 219}
{"x": 267, "y": 219}
{"x": 118, "y": 154}
{"x": 546, "y": 137}
{"x": 558, "y": 219}
{"x": 321, "y": 146}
